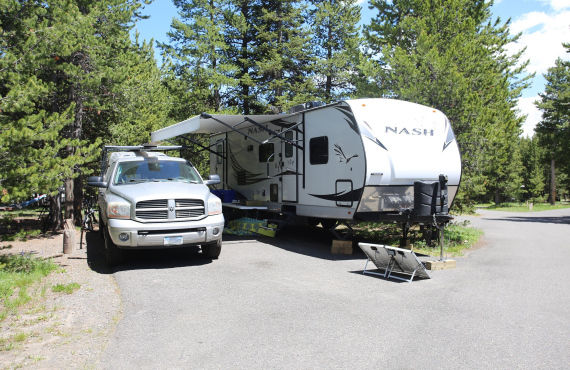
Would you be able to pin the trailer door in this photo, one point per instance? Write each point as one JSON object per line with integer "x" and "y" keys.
{"x": 289, "y": 168}
{"x": 218, "y": 165}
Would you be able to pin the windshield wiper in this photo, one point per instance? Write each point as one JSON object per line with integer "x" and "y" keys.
{"x": 137, "y": 180}
{"x": 182, "y": 179}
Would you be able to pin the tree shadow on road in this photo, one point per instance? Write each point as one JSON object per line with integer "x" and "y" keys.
{"x": 546, "y": 220}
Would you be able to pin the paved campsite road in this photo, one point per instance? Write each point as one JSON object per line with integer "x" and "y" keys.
{"x": 288, "y": 303}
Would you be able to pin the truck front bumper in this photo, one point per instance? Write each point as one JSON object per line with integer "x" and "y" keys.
{"x": 132, "y": 234}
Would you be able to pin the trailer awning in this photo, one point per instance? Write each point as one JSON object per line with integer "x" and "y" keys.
{"x": 219, "y": 123}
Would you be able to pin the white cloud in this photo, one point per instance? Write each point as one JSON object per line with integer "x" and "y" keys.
{"x": 557, "y": 4}
{"x": 542, "y": 35}
{"x": 533, "y": 114}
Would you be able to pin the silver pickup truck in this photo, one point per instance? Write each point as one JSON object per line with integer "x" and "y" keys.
{"x": 148, "y": 200}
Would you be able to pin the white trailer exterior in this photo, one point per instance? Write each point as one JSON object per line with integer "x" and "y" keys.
{"x": 351, "y": 160}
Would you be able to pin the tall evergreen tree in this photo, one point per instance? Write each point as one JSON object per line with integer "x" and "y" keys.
{"x": 533, "y": 176}
{"x": 196, "y": 50}
{"x": 39, "y": 104}
{"x": 64, "y": 81}
{"x": 336, "y": 41}
{"x": 283, "y": 54}
{"x": 554, "y": 129}
{"x": 450, "y": 55}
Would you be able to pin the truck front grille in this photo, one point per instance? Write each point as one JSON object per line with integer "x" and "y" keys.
{"x": 157, "y": 203}
{"x": 153, "y": 215}
{"x": 165, "y": 209}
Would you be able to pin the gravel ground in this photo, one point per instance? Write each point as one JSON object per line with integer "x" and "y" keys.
{"x": 62, "y": 330}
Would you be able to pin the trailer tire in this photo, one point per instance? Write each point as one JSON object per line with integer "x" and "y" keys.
{"x": 212, "y": 250}
{"x": 113, "y": 255}
{"x": 328, "y": 223}
{"x": 312, "y": 222}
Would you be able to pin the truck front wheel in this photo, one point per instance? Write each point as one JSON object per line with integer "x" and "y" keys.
{"x": 113, "y": 255}
{"x": 212, "y": 250}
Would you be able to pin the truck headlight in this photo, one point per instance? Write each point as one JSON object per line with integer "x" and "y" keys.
{"x": 118, "y": 210}
{"x": 214, "y": 205}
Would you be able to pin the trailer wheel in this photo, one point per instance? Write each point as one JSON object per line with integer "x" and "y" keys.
{"x": 312, "y": 222}
{"x": 212, "y": 250}
{"x": 328, "y": 223}
{"x": 113, "y": 255}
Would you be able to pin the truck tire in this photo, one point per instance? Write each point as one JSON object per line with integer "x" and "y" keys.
{"x": 212, "y": 250}
{"x": 101, "y": 226}
{"x": 113, "y": 255}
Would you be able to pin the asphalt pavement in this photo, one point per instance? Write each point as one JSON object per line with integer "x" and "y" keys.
{"x": 286, "y": 302}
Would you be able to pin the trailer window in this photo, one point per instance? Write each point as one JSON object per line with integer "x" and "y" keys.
{"x": 319, "y": 150}
{"x": 266, "y": 152}
{"x": 288, "y": 147}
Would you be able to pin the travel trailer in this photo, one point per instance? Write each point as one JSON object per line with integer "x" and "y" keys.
{"x": 347, "y": 161}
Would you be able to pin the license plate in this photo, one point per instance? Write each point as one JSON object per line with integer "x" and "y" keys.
{"x": 173, "y": 240}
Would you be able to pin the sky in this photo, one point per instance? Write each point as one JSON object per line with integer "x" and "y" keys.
{"x": 544, "y": 25}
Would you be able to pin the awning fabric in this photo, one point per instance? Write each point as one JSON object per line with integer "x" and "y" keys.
{"x": 212, "y": 124}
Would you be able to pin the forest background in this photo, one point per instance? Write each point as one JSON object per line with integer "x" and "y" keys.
{"x": 72, "y": 79}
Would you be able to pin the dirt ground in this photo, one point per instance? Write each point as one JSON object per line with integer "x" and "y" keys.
{"x": 60, "y": 330}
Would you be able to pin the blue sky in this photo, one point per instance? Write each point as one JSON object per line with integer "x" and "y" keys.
{"x": 544, "y": 25}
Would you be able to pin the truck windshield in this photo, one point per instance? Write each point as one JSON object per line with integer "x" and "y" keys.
{"x": 143, "y": 171}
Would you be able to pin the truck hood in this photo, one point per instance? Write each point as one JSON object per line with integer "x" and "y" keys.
{"x": 161, "y": 190}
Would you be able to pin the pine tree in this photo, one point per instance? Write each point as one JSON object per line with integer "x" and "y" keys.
{"x": 64, "y": 82}
{"x": 283, "y": 55}
{"x": 40, "y": 148}
{"x": 534, "y": 178}
{"x": 196, "y": 49}
{"x": 554, "y": 129}
{"x": 336, "y": 39}
{"x": 450, "y": 55}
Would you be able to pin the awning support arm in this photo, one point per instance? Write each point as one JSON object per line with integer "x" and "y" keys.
{"x": 294, "y": 127}
{"x": 209, "y": 116}
{"x": 275, "y": 134}
{"x": 202, "y": 146}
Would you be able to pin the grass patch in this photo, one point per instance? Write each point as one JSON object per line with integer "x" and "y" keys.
{"x": 17, "y": 274}
{"x": 523, "y": 207}
{"x": 457, "y": 237}
{"x": 65, "y": 288}
{"x": 21, "y": 235}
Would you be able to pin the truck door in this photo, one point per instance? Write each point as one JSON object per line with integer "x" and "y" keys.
{"x": 289, "y": 168}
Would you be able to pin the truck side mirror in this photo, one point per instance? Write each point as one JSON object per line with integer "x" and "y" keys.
{"x": 214, "y": 179}
{"x": 96, "y": 181}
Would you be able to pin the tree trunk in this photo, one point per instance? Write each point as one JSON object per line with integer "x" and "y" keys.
{"x": 243, "y": 64}
{"x": 552, "y": 182}
{"x": 68, "y": 214}
{"x": 55, "y": 219}
{"x": 497, "y": 197}
{"x": 78, "y": 200}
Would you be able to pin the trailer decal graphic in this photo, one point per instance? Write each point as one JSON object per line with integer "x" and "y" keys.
{"x": 341, "y": 156}
{"x": 288, "y": 172}
{"x": 243, "y": 176}
{"x": 367, "y": 132}
{"x": 350, "y": 196}
{"x": 349, "y": 118}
